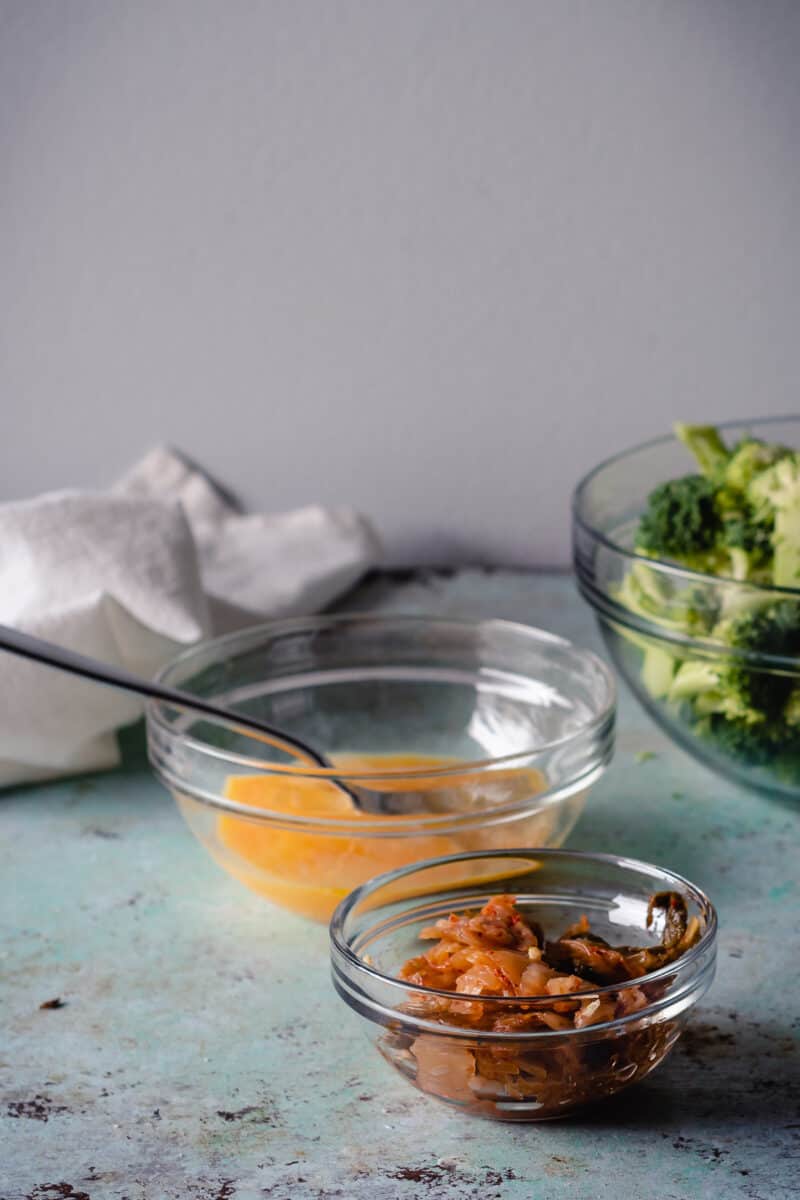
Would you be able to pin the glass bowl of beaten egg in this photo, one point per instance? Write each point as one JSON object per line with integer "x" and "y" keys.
{"x": 497, "y": 730}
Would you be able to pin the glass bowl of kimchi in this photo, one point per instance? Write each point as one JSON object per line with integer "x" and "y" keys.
{"x": 520, "y": 985}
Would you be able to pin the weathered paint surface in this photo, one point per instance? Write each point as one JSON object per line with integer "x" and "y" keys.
{"x": 201, "y": 1053}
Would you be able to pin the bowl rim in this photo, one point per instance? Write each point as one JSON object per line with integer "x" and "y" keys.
{"x": 669, "y": 566}
{"x": 603, "y": 704}
{"x": 341, "y": 947}
{"x": 610, "y": 610}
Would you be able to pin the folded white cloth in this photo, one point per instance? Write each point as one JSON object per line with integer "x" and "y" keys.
{"x": 133, "y": 574}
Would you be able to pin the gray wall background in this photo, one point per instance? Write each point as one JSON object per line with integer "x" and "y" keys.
{"x": 431, "y": 258}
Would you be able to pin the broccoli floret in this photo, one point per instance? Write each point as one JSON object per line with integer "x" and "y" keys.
{"x": 755, "y": 709}
{"x": 749, "y": 458}
{"x": 705, "y": 443}
{"x": 777, "y": 487}
{"x": 741, "y": 531}
{"x": 748, "y": 542}
{"x": 775, "y": 493}
{"x": 715, "y": 691}
{"x": 771, "y": 744}
{"x": 746, "y": 534}
{"x": 681, "y": 519}
{"x": 755, "y": 745}
{"x": 773, "y": 629}
{"x": 695, "y": 677}
{"x": 738, "y": 519}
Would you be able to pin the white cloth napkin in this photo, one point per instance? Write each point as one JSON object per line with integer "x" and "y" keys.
{"x": 132, "y": 575}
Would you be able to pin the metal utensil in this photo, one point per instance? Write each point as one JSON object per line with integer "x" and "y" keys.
{"x": 364, "y": 799}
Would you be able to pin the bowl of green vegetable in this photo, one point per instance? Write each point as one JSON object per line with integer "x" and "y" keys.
{"x": 688, "y": 549}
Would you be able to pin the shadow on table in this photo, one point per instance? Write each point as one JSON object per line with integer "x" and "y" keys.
{"x": 742, "y": 1077}
{"x": 635, "y": 829}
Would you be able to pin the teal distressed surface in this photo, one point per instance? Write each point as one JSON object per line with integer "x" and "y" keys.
{"x": 202, "y": 1054}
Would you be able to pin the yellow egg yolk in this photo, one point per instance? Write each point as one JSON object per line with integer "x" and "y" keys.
{"x": 310, "y": 872}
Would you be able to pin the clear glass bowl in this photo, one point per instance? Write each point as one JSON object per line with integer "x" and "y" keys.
{"x": 517, "y": 1076}
{"x": 648, "y": 651}
{"x": 512, "y": 723}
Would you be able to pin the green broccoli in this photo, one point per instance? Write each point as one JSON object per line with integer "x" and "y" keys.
{"x": 748, "y": 541}
{"x": 742, "y": 531}
{"x": 772, "y": 629}
{"x": 681, "y": 519}
{"x": 739, "y": 519}
{"x": 760, "y": 705}
{"x": 749, "y": 458}
{"x": 775, "y": 494}
{"x": 708, "y": 522}
{"x": 755, "y": 745}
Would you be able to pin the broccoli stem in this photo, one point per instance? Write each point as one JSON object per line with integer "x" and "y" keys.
{"x": 693, "y": 678}
{"x": 791, "y": 711}
{"x": 658, "y": 667}
{"x": 740, "y": 563}
{"x": 705, "y": 443}
{"x": 786, "y": 544}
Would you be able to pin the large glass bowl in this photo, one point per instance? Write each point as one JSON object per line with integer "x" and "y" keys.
{"x": 498, "y": 729}
{"x": 648, "y": 650}
{"x": 543, "y": 1072}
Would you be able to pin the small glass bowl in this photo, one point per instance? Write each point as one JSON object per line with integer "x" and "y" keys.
{"x": 647, "y": 652}
{"x": 528, "y": 1076}
{"x": 517, "y": 723}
